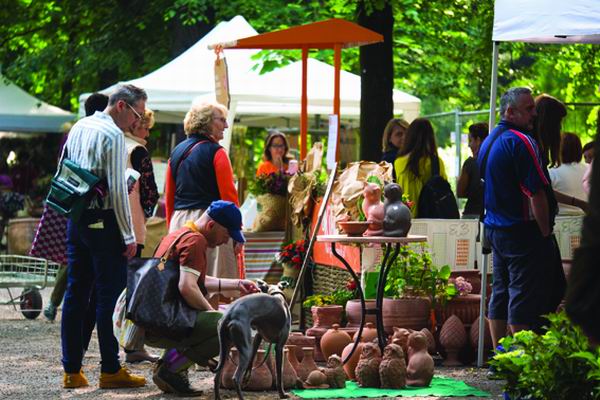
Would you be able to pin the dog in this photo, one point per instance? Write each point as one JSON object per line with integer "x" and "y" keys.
{"x": 268, "y": 313}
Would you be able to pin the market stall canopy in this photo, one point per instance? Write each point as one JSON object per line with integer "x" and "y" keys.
{"x": 547, "y": 21}
{"x": 21, "y": 112}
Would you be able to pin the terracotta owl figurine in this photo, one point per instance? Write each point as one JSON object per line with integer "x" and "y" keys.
{"x": 400, "y": 337}
{"x": 397, "y": 216}
{"x": 373, "y": 209}
{"x": 392, "y": 370}
{"x": 367, "y": 369}
{"x": 419, "y": 371}
{"x": 336, "y": 377}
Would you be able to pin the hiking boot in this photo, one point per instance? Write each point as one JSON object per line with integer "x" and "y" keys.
{"x": 74, "y": 380}
{"x": 139, "y": 356}
{"x": 174, "y": 382}
{"x": 123, "y": 378}
{"x": 50, "y": 311}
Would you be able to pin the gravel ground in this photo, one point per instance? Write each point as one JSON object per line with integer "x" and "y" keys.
{"x": 31, "y": 369}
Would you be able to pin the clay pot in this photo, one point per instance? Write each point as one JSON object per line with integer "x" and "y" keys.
{"x": 326, "y": 316}
{"x": 292, "y": 356}
{"x": 353, "y": 228}
{"x": 334, "y": 341}
{"x": 369, "y": 333}
{"x": 465, "y": 307}
{"x": 353, "y": 311}
{"x": 20, "y": 234}
{"x": 289, "y": 372}
{"x": 261, "y": 377}
{"x": 350, "y": 365}
{"x": 299, "y": 340}
{"x": 487, "y": 337}
{"x": 453, "y": 338}
{"x": 229, "y": 370}
{"x": 410, "y": 313}
{"x": 307, "y": 365}
{"x": 317, "y": 333}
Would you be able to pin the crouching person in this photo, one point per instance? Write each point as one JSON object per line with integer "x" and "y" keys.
{"x": 220, "y": 222}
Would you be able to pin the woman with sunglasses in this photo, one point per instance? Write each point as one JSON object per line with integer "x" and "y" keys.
{"x": 275, "y": 155}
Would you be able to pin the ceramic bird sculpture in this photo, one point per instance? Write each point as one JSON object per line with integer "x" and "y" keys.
{"x": 400, "y": 337}
{"x": 373, "y": 209}
{"x": 367, "y": 369}
{"x": 336, "y": 377}
{"x": 419, "y": 371}
{"x": 397, "y": 216}
{"x": 392, "y": 370}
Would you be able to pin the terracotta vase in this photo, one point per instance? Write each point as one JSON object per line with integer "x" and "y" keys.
{"x": 229, "y": 370}
{"x": 299, "y": 340}
{"x": 292, "y": 356}
{"x": 317, "y": 333}
{"x": 353, "y": 311}
{"x": 465, "y": 307}
{"x": 289, "y": 372}
{"x": 261, "y": 377}
{"x": 307, "y": 365}
{"x": 410, "y": 313}
{"x": 326, "y": 316}
{"x": 334, "y": 341}
{"x": 487, "y": 336}
{"x": 453, "y": 338}
{"x": 369, "y": 333}
{"x": 350, "y": 365}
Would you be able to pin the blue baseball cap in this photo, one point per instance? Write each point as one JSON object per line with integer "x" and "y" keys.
{"x": 229, "y": 216}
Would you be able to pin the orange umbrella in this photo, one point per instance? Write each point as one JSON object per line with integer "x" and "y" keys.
{"x": 330, "y": 34}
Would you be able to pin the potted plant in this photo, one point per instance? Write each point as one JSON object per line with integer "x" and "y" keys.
{"x": 271, "y": 195}
{"x": 413, "y": 288}
{"x": 465, "y": 305}
{"x": 327, "y": 309}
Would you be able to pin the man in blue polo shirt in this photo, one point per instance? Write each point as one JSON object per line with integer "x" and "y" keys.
{"x": 516, "y": 216}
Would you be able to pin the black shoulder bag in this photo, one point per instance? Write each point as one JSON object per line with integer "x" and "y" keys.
{"x": 436, "y": 199}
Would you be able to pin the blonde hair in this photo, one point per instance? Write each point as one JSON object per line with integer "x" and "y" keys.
{"x": 149, "y": 118}
{"x": 387, "y": 132}
{"x": 200, "y": 116}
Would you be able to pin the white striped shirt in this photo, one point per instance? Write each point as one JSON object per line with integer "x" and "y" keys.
{"x": 96, "y": 144}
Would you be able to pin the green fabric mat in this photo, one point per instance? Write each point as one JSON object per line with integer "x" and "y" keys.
{"x": 440, "y": 386}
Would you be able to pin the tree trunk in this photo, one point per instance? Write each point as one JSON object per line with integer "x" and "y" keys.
{"x": 377, "y": 79}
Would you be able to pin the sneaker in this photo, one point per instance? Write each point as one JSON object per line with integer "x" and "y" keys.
{"x": 123, "y": 378}
{"x": 50, "y": 311}
{"x": 74, "y": 380}
{"x": 139, "y": 356}
{"x": 174, "y": 382}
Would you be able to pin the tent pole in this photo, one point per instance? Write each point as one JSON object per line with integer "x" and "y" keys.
{"x": 304, "y": 105}
{"x": 485, "y": 246}
{"x": 337, "y": 48}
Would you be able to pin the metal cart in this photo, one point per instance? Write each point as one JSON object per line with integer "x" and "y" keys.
{"x": 30, "y": 273}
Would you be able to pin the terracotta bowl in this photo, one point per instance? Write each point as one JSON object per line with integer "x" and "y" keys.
{"x": 354, "y": 228}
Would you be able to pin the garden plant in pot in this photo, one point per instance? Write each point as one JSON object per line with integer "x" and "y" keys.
{"x": 328, "y": 309}
{"x": 413, "y": 288}
{"x": 271, "y": 194}
{"x": 291, "y": 258}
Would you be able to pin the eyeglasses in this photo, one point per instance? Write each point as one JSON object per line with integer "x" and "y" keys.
{"x": 278, "y": 146}
{"x": 137, "y": 115}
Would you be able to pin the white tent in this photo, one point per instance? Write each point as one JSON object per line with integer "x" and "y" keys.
{"x": 272, "y": 99}
{"x": 21, "y": 112}
{"x": 536, "y": 21}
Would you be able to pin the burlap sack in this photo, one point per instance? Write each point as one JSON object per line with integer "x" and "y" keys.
{"x": 272, "y": 213}
{"x": 300, "y": 189}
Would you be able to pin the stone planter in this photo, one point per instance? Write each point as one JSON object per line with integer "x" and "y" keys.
{"x": 465, "y": 307}
{"x": 409, "y": 313}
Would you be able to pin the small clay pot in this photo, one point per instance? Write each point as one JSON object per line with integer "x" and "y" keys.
{"x": 300, "y": 341}
{"x": 350, "y": 365}
{"x": 307, "y": 365}
{"x": 334, "y": 341}
{"x": 326, "y": 316}
{"x": 369, "y": 333}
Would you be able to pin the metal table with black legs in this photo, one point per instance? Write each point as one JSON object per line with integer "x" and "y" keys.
{"x": 388, "y": 259}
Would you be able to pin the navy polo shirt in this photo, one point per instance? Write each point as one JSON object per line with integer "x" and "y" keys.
{"x": 513, "y": 174}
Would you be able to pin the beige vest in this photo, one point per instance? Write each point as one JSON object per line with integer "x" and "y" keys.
{"x": 137, "y": 213}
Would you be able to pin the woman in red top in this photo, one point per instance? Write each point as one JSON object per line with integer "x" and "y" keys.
{"x": 275, "y": 155}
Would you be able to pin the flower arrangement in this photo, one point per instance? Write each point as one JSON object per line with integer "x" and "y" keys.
{"x": 274, "y": 183}
{"x": 463, "y": 286}
{"x": 293, "y": 254}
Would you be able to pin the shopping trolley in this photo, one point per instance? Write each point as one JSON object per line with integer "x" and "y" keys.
{"x": 30, "y": 273}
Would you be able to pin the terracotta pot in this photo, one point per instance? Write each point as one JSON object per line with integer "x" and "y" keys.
{"x": 410, "y": 313}
{"x": 292, "y": 356}
{"x": 334, "y": 341}
{"x": 369, "y": 333}
{"x": 326, "y": 316}
{"x": 453, "y": 338}
{"x": 465, "y": 307}
{"x": 353, "y": 228}
{"x": 353, "y": 312}
{"x": 350, "y": 365}
{"x": 20, "y": 234}
{"x": 308, "y": 363}
{"x": 299, "y": 341}
{"x": 229, "y": 370}
{"x": 318, "y": 334}
{"x": 261, "y": 377}
{"x": 289, "y": 372}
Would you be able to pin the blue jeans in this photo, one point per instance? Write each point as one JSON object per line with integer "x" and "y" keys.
{"x": 95, "y": 261}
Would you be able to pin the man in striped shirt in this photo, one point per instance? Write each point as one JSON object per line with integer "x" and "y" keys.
{"x": 101, "y": 242}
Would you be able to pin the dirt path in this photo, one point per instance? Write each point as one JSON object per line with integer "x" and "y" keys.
{"x": 31, "y": 370}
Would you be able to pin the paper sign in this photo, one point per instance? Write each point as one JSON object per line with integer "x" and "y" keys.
{"x": 221, "y": 81}
{"x": 332, "y": 140}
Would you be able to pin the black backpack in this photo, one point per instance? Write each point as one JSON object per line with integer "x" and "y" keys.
{"x": 437, "y": 199}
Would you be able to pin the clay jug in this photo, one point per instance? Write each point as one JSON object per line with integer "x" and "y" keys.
{"x": 453, "y": 338}
{"x": 334, "y": 341}
{"x": 307, "y": 365}
{"x": 229, "y": 370}
{"x": 350, "y": 365}
{"x": 261, "y": 378}
{"x": 289, "y": 373}
{"x": 300, "y": 341}
{"x": 292, "y": 356}
{"x": 369, "y": 333}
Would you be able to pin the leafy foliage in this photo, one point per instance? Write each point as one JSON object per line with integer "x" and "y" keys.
{"x": 559, "y": 364}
